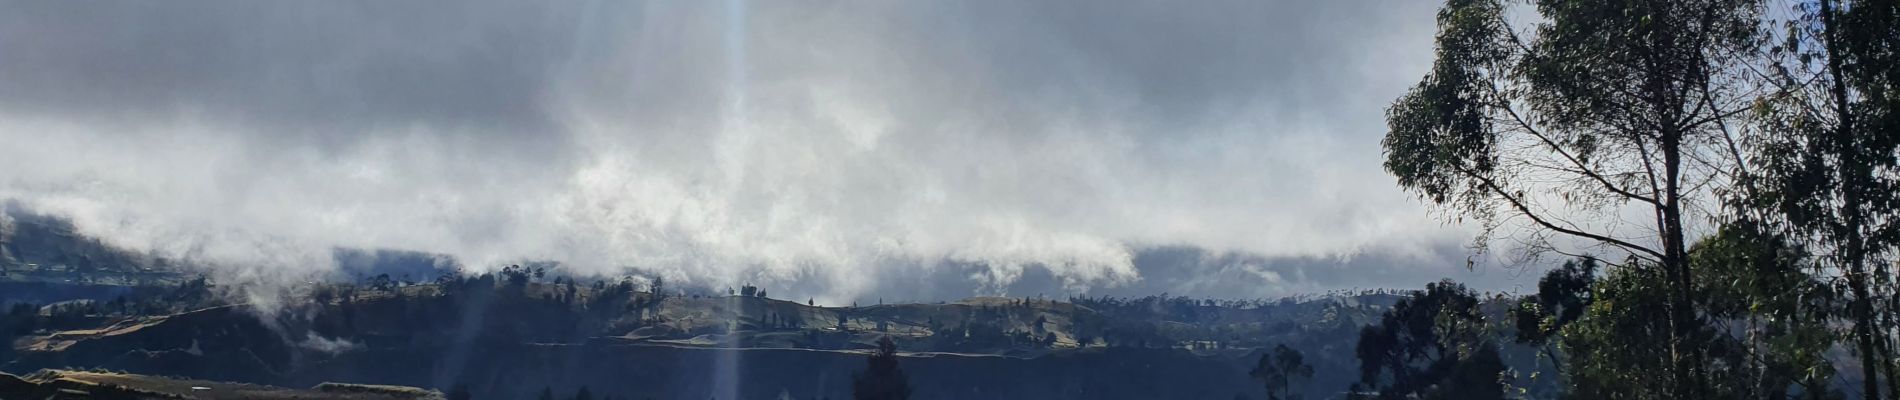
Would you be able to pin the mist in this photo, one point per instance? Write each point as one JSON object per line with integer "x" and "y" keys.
{"x": 841, "y": 152}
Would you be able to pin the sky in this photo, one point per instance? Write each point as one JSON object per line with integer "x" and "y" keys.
{"x": 839, "y": 150}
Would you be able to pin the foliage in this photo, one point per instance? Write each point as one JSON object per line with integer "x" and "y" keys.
{"x": 1828, "y": 161}
{"x": 1762, "y": 326}
{"x": 881, "y": 378}
{"x": 1601, "y": 106}
{"x": 1615, "y": 350}
{"x": 1278, "y": 370}
{"x": 1562, "y": 296}
{"x": 1772, "y": 312}
{"x": 1434, "y": 344}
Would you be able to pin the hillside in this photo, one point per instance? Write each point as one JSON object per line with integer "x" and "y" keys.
{"x": 44, "y": 247}
{"x": 499, "y": 335}
{"x": 514, "y": 333}
{"x": 62, "y": 384}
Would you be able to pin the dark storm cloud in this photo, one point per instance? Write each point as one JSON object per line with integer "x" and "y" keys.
{"x": 1181, "y": 63}
{"x": 831, "y": 147}
{"x": 324, "y": 71}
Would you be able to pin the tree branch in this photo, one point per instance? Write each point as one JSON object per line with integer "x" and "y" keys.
{"x": 1524, "y": 209}
{"x": 1585, "y": 169}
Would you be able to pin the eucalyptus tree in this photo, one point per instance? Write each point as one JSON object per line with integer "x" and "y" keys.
{"x": 1606, "y": 123}
{"x": 1278, "y": 370}
{"x": 1827, "y": 149}
{"x": 1765, "y": 336}
{"x": 1432, "y": 344}
{"x": 1563, "y": 295}
{"x": 1772, "y": 314}
{"x": 881, "y": 378}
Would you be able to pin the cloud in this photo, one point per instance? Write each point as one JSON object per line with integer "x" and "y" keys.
{"x": 834, "y": 147}
{"x": 327, "y": 345}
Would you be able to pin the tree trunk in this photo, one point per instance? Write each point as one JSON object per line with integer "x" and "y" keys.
{"x": 1851, "y": 254}
{"x": 1685, "y": 356}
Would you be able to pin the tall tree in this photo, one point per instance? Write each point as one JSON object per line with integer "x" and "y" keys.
{"x": 881, "y": 378}
{"x": 1829, "y": 172}
{"x": 1614, "y": 350}
{"x": 1765, "y": 336}
{"x": 1278, "y": 369}
{"x": 1563, "y": 294}
{"x": 1601, "y": 110}
{"x": 1772, "y": 313}
{"x": 1433, "y": 344}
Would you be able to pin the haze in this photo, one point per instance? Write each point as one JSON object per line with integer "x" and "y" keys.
{"x": 838, "y": 150}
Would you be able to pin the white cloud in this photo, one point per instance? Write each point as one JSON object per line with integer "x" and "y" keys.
{"x": 874, "y": 141}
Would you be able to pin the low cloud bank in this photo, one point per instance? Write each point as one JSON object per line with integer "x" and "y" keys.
{"x": 844, "y": 150}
